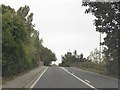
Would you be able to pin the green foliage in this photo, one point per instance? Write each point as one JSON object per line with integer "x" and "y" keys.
{"x": 13, "y": 31}
{"x": 47, "y": 55}
{"x": 92, "y": 65}
{"x": 94, "y": 56}
{"x": 69, "y": 58}
{"x": 107, "y": 21}
{"x": 22, "y": 48}
{"x": 0, "y": 36}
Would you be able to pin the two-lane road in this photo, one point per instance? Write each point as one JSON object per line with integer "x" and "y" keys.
{"x": 69, "y": 77}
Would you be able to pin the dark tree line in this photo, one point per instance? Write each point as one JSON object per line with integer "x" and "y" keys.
{"x": 22, "y": 48}
{"x": 0, "y": 37}
{"x": 69, "y": 58}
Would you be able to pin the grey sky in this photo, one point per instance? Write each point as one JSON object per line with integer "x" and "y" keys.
{"x": 62, "y": 25}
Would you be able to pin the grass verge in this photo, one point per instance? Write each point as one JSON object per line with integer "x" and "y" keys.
{"x": 6, "y": 79}
{"x": 101, "y": 72}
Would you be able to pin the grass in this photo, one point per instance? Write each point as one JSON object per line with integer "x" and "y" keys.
{"x": 6, "y": 79}
{"x": 99, "y": 71}
{"x": 94, "y": 70}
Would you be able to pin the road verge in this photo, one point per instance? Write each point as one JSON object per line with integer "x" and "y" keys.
{"x": 24, "y": 81}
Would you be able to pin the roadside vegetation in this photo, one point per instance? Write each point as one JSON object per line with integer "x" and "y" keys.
{"x": 0, "y": 46}
{"x": 22, "y": 49}
{"x": 107, "y": 22}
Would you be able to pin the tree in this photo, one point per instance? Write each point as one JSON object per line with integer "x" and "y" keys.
{"x": 75, "y": 53}
{"x": 13, "y": 35}
{"x": 22, "y": 48}
{"x": 94, "y": 56}
{"x": 107, "y": 21}
{"x": 47, "y": 56}
{"x": 70, "y": 58}
{"x": 0, "y": 36}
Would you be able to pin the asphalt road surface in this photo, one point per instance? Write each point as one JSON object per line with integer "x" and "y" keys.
{"x": 69, "y": 77}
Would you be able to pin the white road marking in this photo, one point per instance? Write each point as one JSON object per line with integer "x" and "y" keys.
{"x": 38, "y": 78}
{"x": 91, "y": 86}
{"x": 96, "y": 73}
{"x": 87, "y": 81}
{"x": 72, "y": 73}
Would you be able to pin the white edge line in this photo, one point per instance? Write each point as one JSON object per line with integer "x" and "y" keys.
{"x": 87, "y": 81}
{"x": 79, "y": 78}
{"x": 38, "y": 78}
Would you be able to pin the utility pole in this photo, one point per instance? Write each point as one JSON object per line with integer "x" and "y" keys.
{"x": 100, "y": 49}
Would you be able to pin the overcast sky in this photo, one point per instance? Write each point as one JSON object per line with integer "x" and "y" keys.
{"x": 62, "y": 24}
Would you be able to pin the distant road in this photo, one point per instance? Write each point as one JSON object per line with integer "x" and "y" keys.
{"x": 69, "y": 77}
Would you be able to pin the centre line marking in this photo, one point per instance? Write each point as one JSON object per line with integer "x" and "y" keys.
{"x": 91, "y": 86}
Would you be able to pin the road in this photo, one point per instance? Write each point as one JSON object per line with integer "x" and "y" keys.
{"x": 69, "y": 77}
